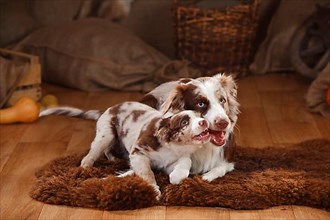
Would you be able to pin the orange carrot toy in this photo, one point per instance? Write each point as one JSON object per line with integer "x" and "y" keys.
{"x": 25, "y": 110}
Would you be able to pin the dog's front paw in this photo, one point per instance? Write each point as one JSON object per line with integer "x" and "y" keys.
{"x": 87, "y": 162}
{"x": 230, "y": 167}
{"x": 127, "y": 173}
{"x": 213, "y": 174}
{"x": 178, "y": 175}
{"x": 158, "y": 193}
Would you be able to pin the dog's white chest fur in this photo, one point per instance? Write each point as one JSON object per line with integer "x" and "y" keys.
{"x": 210, "y": 161}
{"x": 206, "y": 158}
{"x": 166, "y": 157}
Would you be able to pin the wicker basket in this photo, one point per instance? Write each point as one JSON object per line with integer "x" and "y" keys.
{"x": 21, "y": 76}
{"x": 216, "y": 40}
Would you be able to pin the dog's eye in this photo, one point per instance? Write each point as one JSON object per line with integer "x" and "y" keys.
{"x": 222, "y": 100}
{"x": 184, "y": 122}
{"x": 201, "y": 104}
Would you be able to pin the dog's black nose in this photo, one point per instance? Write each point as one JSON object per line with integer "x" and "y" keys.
{"x": 221, "y": 123}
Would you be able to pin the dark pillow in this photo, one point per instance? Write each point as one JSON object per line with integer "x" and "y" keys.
{"x": 19, "y": 18}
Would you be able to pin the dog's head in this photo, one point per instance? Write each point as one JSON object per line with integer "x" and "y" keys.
{"x": 184, "y": 128}
{"x": 215, "y": 98}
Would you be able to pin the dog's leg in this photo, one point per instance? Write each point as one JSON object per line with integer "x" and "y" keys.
{"x": 109, "y": 155}
{"x": 181, "y": 170}
{"x": 218, "y": 171}
{"x": 127, "y": 173}
{"x": 104, "y": 138}
{"x": 140, "y": 164}
{"x": 123, "y": 174}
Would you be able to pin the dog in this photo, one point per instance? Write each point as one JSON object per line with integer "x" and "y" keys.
{"x": 152, "y": 141}
{"x": 214, "y": 97}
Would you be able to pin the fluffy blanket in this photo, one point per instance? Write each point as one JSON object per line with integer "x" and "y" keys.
{"x": 284, "y": 175}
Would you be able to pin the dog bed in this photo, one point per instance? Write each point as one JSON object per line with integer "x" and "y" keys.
{"x": 291, "y": 175}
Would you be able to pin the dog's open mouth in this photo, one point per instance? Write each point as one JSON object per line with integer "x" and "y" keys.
{"x": 205, "y": 135}
{"x": 217, "y": 137}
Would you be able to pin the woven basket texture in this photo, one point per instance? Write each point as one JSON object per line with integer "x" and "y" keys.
{"x": 216, "y": 40}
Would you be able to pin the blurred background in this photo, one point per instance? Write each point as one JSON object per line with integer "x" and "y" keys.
{"x": 135, "y": 45}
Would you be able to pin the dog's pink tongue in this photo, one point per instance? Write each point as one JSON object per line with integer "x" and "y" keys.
{"x": 217, "y": 137}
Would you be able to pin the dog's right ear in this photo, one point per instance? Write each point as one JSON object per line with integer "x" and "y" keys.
{"x": 175, "y": 101}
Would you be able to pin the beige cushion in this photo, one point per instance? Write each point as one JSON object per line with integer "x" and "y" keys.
{"x": 316, "y": 97}
{"x": 95, "y": 54}
{"x": 273, "y": 54}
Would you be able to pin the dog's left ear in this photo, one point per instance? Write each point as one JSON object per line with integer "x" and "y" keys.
{"x": 228, "y": 83}
{"x": 163, "y": 130}
{"x": 175, "y": 101}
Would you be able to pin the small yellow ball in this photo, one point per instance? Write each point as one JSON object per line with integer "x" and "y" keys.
{"x": 49, "y": 101}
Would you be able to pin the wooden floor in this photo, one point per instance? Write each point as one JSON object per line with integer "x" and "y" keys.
{"x": 273, "y": 113}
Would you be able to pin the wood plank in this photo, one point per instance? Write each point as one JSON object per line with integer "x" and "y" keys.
{"x": 248, "y": 95}
{"x": 279, "y": 212}
{"x": 244, "y": 214}
{"x": 66, "y": 212}
{"x": 175, "y": 212}
{"x": 156, "y": 212}
{"x": 306, "y": 213}
{"x": 287, "y": 119}
{"x": 253, "y": 129}
{"x": 323, "y": 124}
{"x": 104, "y": 100}
{"x": 82, "y": 137}
{"x": 10, "y": 136}
{"x": 285, "y": 106}
{"x": 252, "y": 116}
{"x": 298, "y": 132}
{"x": 17, "y": 178}
{"x": 50, "y": 128}
{"x": 280, "y": 82}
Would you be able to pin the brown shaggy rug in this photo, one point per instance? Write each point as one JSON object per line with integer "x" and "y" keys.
{"x": 293, "y": 175}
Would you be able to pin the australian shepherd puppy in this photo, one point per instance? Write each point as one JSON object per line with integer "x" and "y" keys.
{"x": 152, "y": 141}
{"x": 215, "y": 98}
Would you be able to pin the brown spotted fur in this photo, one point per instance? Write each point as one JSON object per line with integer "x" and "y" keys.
{"x": 150, "y": 100}
{"x": 148, "y": 138}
